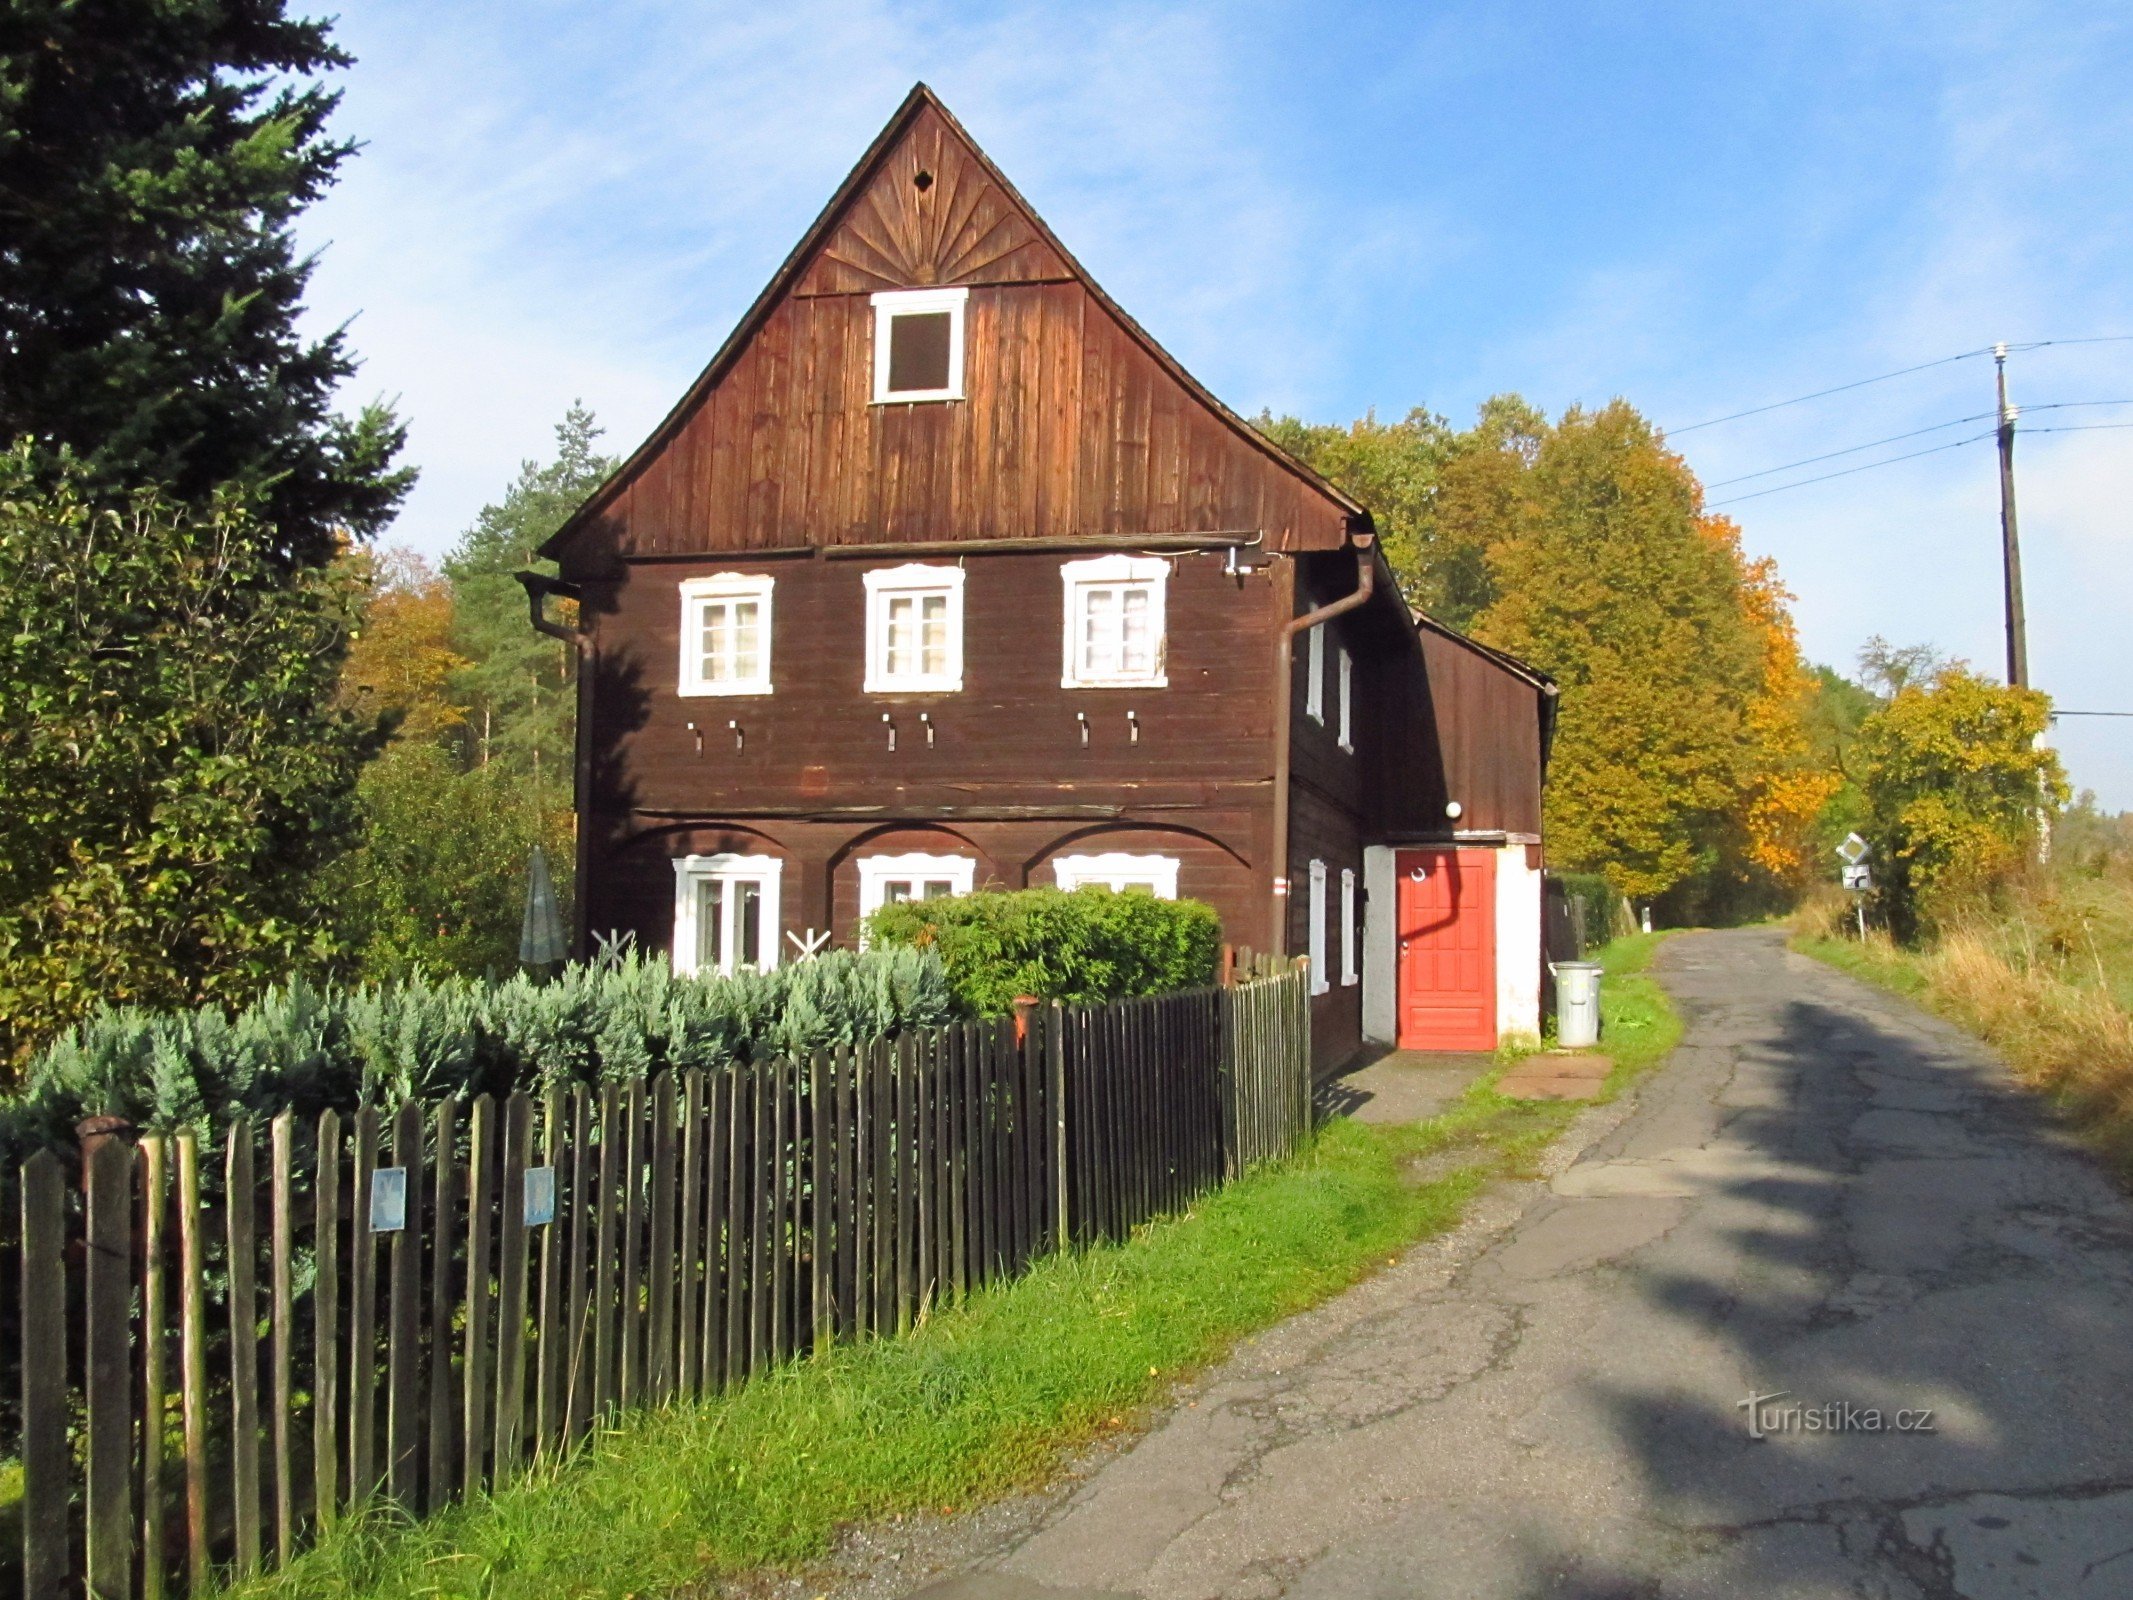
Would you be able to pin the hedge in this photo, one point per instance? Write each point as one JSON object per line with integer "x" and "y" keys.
{"x": 304, "y": 1048}
{"x": 1079, "y": 946}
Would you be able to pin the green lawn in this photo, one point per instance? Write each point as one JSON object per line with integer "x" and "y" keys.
{"x": 982, "y": 1399}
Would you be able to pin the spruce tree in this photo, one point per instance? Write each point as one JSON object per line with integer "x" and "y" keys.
{"x": 153, "y": 157}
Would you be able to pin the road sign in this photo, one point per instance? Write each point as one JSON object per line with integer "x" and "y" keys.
{"x": 1854, "y": 849}
{"x": 1858, "y": 876}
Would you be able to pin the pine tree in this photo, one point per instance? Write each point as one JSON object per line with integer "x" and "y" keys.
{"x": 519, "y": 686}
{"x": 152, "y": 160}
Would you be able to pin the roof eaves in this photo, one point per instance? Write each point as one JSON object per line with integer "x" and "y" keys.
{"x": 862, "y": 171}
{"x": 918, "y": 99}
{"x": 1510, "y": 663}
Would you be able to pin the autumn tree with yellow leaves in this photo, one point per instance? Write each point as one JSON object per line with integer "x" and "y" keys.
{"x": 1683, "y": 767}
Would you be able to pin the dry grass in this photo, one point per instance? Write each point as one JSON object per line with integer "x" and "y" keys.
{"x": 2062, "y": 1029}
{"x": 2044, "y": 973}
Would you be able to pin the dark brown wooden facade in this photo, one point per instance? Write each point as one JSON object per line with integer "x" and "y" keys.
{"x": 1075, "y": 435}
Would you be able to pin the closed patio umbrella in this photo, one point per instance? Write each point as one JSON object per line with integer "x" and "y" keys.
{"x": 541, "y": 941}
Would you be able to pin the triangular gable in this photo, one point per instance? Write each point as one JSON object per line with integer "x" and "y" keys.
{"x": 932, "y": 214}
{"x": 964, "y": 224}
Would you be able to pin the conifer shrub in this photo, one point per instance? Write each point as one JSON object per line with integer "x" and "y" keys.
{"x": 1080, "y": 946}
{"x": 304, "y": 1047}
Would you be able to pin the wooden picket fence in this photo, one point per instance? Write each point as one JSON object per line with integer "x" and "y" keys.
{"x": 224, "y": 1350}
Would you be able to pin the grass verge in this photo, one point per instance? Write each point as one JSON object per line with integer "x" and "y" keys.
{"x": 983, "y": 1399}
{"x": 2063, "y": 1031}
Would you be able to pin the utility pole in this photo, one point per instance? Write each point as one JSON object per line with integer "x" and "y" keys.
{"x": 2010, "y": 546}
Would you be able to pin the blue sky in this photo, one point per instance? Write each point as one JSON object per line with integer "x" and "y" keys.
{"x": 1330, "y": 208}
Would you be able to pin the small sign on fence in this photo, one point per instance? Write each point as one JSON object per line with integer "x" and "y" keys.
{"x": 388, "y": 1200}
{"x": 540, "y": 1196}
{"x": 735, "y": 1220}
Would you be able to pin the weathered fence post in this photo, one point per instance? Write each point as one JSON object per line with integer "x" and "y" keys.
{"x": 44, "y": 1379}
{"x": 1055, "y": 1060}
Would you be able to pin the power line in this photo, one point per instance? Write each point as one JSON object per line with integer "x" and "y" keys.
{"x": 2092, "y": 713}
{"x": 1802, "y": 399}
{"x": 1848, "y": 471}
{"x": 2101, "y": 338}
{"x": 1898, "y": 438}
{"x": 1850, "y": 450}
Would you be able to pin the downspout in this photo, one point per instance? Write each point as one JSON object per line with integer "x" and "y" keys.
{"x": 539, "y": 586}
{"x": 1366, "y": 573}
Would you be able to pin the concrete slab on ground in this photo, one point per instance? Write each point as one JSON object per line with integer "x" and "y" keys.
{"x": 1402, "y": 1085}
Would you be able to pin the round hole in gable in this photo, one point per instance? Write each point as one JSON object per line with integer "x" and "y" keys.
{"x": 923, "y": 181}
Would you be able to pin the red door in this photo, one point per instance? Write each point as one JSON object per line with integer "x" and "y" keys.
{"x": 1447, "y": 949}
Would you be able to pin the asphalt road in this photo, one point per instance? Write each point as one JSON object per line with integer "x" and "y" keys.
{"x": 1825, "y": 1193}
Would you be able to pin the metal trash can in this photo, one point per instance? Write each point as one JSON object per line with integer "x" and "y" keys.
{"x": 1577, "y": 1003}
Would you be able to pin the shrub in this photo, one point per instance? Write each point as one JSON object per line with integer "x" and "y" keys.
{"x": 1079, "y": 946}
{"x": 1955, "y": 782}
{"x": 304, "y": 1047}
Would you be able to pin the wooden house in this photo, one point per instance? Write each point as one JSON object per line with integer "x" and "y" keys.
{"x": 944, "y": 574}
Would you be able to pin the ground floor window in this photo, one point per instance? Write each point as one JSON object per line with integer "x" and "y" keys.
{"x": 885, "y": 880}
{"x": 1349, "y": 974}
{"x": 1120, "y": 870}
{"x": 1317, "y": 929}
{"x": 725, "y": 913}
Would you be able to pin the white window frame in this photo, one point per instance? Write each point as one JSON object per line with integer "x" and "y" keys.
{"x": 885, "y": 584}
{"x": 1349, "y": 975}
{"x": 892, "y": 303}
{"x": 876, "y": 873}
{"x": 1319, "y": 983}
{"x": 1315, "y": 674}
{"x": 1080, "y": 577}
{"x": 690, "y": 871}
{"x": 1120, "y": 870}
{"x": 696, "y": 593}
{"x": 1346, "y": 727}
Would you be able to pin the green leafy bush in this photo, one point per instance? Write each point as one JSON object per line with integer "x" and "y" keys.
{"x": 304, "y": 1047}
{"x": 1079, "y": 945}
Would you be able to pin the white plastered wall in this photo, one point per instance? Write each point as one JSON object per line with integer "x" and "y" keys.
{"x": 1518, "y": 941}
{"x": 1381, "y": 956}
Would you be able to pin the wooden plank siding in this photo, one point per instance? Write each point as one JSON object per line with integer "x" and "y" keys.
{"x": 1075, "y": 433}
{"x": 1472, "y": 733}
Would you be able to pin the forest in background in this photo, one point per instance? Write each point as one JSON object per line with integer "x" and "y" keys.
{"x": 479, "y": 714}
{"x": 1701, "y": 765}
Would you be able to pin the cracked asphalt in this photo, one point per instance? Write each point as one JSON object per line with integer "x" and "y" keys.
{"x": 1824, "y": 1193}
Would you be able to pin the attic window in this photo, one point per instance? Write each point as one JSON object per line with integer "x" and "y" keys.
{"x": 922, "y": 182}
{"x": 918, "y": 345}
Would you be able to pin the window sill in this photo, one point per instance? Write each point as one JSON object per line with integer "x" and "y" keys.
{"x": 921, "y": 397}
{"x": 722, "y": 691}
{"x": 912, "y": 687}
{"x": 1160, "y": 681}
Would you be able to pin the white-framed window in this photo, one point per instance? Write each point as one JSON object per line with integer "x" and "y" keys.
{"x": 884, "y": 880}
{"x": 1346, "y": 704}
{"x": 918, "y": 345}
{"x": 914, "y": 630}
{"x": 1315, "y": 674}
{"x": 725, "y": 634}
{"x": 1319, "y": 983}
{"x": 1349, "y": 974}
{"x": 725, "y": 913}
{"x": 1114, "y": 622}
{"x": 1120, "y": 870}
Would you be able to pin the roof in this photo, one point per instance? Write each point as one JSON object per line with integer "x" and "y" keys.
{"x": 1510, "y": 663}
{"x": 920, "y": 99}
